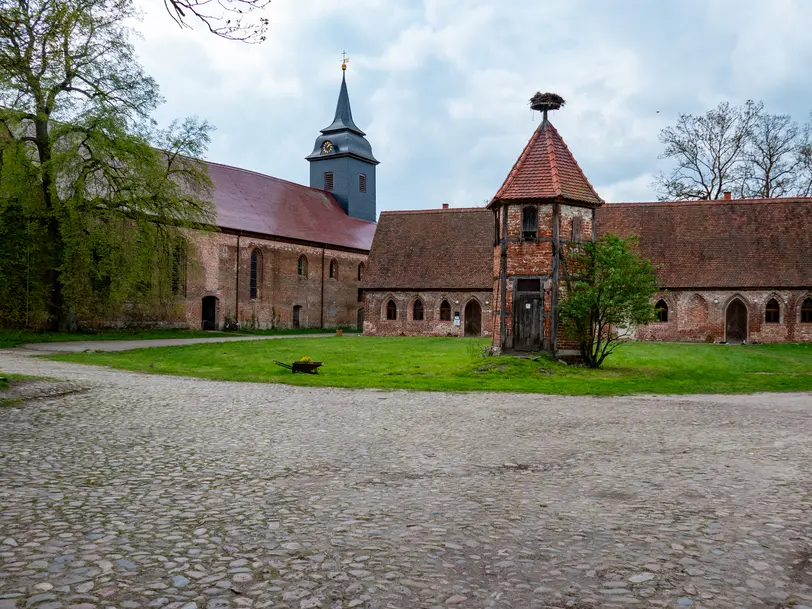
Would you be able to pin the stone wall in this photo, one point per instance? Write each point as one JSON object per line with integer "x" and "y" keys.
{"x": 376, "y": 323}
{"x": 220, "y": 266}
{"x": 699, "y": 316}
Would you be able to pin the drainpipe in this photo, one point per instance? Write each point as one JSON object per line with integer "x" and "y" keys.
{"x": 321, "y": 322}
{"x": 237, "y": 290}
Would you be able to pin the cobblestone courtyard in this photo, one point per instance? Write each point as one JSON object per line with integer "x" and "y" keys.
{"x": 148, "y": 491}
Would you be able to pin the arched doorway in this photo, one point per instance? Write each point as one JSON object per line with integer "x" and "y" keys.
{"x": 297, "y": 316}
{"x": 736, "y": 322}
{"x": 209, "y": 316}
{"x": 473, "y": 319}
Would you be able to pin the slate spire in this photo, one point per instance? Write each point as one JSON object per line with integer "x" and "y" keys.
{"x": 343, "y": 118}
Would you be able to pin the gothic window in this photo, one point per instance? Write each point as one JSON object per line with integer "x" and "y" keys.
{"x": 333, "y": 269}
{"x": 391, "y": 310}
{"x": 662, "y": 311}
{"x": 362, "y": 182}
{"x": 772, "y": 312}
{"x": 445, "y": 311}
{"x": 417, "y": 310}
{"x": 530, "y": 222}
{"x": 256, "y": 273}
{"x": 806, "y": 311}
{"x": 179, "y": 271}
{"x": 577, "y": 228}
{"x": 302, "y": 266}
{"x": 328, "y": 180}
{"x": 360, "y": 271}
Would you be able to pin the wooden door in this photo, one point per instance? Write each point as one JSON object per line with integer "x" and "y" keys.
{"x": 736, "y": 322}
{"x": 528, "y": 326}
{"x": 209, "y": 317}
{"x": 473, "y": 319}
{"x": 297, "y": 316}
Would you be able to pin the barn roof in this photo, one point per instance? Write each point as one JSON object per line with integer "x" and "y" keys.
{"x": 740, "y": 243}
{"x": 546, "y": 169}
{"x": 437, "y": 249}
{"x": 253, "y": 202}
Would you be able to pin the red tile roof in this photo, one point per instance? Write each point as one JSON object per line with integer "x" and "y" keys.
{"x": 743, "y": 243}
{"x": 253, "y": 202}
{"x": 440, "y": 249}
{"x": 546, "y": 169}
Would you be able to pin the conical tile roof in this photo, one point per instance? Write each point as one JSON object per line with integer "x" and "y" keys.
{"x": 546, "y": 169}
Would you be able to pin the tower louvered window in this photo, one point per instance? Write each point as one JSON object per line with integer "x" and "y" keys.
{"x": 362, "y": 182}
{"x": 530, "y": 223}
{"x": 328, "y": 180}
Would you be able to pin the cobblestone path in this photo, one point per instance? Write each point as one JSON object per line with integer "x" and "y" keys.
{"x": 150, "y": 491}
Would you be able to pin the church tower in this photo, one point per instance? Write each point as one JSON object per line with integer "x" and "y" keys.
{"x": 342, "y": 162}
{"x": 545, "y": 207}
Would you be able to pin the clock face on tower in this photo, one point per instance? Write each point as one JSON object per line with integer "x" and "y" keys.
{"x": 327, "y": 147}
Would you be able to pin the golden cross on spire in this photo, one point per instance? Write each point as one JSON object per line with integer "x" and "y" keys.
{"x": 345, "y": 60}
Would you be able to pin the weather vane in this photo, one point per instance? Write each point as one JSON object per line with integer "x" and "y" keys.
{"x": 345, "y": 60}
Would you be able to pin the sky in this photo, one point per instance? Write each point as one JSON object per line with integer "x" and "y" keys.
{"x": 441, "y": 87}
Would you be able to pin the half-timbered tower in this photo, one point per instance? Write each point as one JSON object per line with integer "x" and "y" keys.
{"x": 545, "y": 203}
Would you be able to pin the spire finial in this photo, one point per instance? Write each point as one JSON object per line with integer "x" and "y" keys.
{"x": 546, "y": 101}
{"x": 344, "y": 60}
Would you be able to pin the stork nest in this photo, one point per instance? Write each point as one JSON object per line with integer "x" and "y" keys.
{"x": 546, "y": 101}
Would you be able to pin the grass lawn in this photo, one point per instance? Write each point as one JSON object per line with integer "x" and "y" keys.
{"x": 12, "y": 338}
{"x": 453, "y": 364}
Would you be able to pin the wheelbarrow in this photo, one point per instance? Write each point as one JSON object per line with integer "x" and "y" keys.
{"x": 306, "y": 367}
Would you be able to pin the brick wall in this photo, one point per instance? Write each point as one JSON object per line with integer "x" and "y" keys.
{"x": 699, "y": 316}
{"x": 376, "y": 324}
{"x": 212, "y": 270}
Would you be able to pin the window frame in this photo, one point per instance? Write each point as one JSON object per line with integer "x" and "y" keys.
{"x": 333, "y": 270}
{"x": 391, "y": 313}
{"x": 255, "y": 274}
{"x": 301, "y": 266}
{"x": 178, "y": 273}
{"x": 768, "y": 312}
{"x": 418, "y": 302}
{"x": 527, "y": 233}
{"x": 662, "y": 312}
{"x": 806, "y": 310}
{"x": 361, "y": 269}
{"x": 329, "y": 181}
{"x": 443, "y": 310}
{"x": 362, "y": 182}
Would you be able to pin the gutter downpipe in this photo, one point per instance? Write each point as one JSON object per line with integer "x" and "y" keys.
{"x": 321, "y": 322}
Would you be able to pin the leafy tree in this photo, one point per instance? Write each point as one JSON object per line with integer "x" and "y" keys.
{"x": 80, "y": 158}
{"x": 224, "y": 18}
{"x": 608, "y": 295}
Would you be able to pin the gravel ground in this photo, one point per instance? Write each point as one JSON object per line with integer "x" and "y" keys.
{"x": 151, "y": 491}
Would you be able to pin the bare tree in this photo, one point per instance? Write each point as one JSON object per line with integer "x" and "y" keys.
{"x": 225, "y": 18}
{"x": 804, "y": 155}
{"x": 709, "y": 152}
{"x": 772, "y": 158}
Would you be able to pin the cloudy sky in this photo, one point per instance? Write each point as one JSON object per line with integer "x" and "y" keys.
{"x": 441, "y": 86}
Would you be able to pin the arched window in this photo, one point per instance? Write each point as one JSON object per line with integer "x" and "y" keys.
{"x": 360, "y": 271}
{"x": 302, "y": 266}
{"x": 417, "y": 310}
{"x": 391, "y": 310}
{"x": 328, "y": 180}
{"x": 806, "y": 311}
{"x": 772, "y": 312}
{"x": 256, "y": 273}
{"x": 662, "y": 311}
{"x": 530, "y": 222}
{"x": 333, "y": 269}
{"x": 445, "y": 311}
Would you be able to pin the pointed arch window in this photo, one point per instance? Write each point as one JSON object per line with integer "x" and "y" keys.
{"x": 806, "y": 311}
{"x": 417, "y": 310}
{"x": 661, "y": 309}
{"x": 772, "y": 312}
{"x": 391, "y": 310}
{"x": 445, "y": 311}
{"x": 328, "y": 180}
{"x": 179, "y": 271}
{"x": 530, "y": 222}
{"x": 256, "y": 273}
{"x": 334, "y": 269}
{"x": 302, "y": 266}
{"x": 361, "y": 271}
{"x": 362, "y": 182}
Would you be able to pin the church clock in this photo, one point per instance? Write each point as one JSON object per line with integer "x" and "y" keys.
{"x": 327, "y": 147}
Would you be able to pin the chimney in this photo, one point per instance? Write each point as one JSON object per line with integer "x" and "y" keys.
{"x": 726, "y": 195}
{"x": 445, "y": 205}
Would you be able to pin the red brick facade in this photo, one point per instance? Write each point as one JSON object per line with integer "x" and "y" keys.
{"x": 462, "y": 304}
{"x": 213, "y": 270}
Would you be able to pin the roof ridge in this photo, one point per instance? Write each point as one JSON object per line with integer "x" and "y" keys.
{"x": 435, "y": 211}
{"x": 264, "y": 175}
{"x": 553, "y": 163}
{"x": 711, "y": 202}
